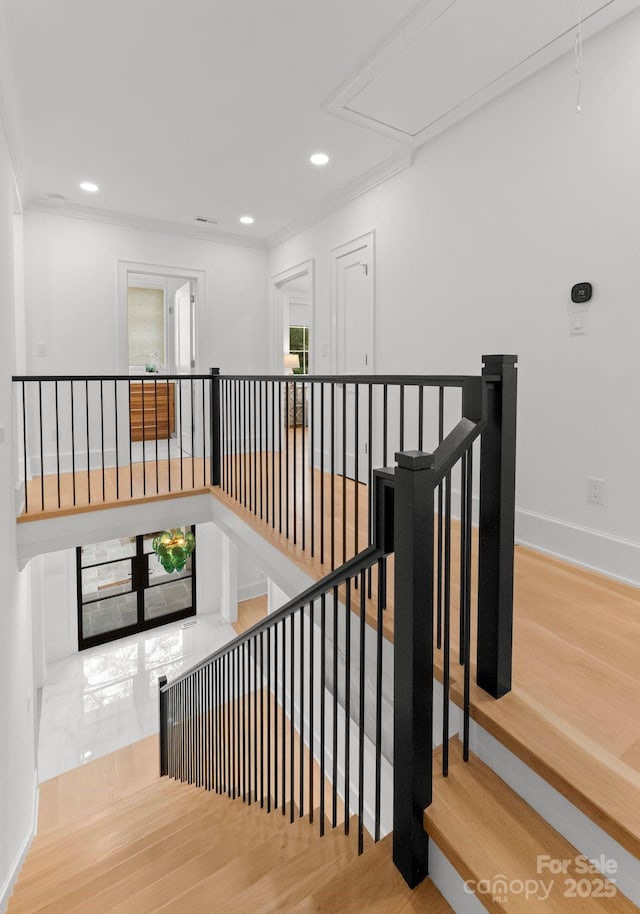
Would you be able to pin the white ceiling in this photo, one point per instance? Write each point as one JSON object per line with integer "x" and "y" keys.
{"x": 212, "y": 107}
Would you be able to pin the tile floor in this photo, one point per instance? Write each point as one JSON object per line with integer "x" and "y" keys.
{"x": 104, "y": 698}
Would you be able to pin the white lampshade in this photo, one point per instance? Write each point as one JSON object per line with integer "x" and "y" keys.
{"x": 291, "y": 361}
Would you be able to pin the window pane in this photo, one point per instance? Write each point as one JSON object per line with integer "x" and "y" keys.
{"x": 109, "y": 615}
{"x": 108, "y": 551}
{"x": 106, "y": 581}
{"x": 146, "y": 326}
{"x": 167, "y": 598}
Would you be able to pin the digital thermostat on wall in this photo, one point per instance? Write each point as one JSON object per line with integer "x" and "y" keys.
{"x": 581, "y": 292}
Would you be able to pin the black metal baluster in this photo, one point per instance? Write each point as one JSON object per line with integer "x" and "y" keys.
{"x": 311, "y": 700}
{"x": 167, "y": 391}
{"x": 101, "y": 434}
{"x": 323, "y": 670}
{"x": 439, "y": 594}
{"x": 301, "y": 666}
{"x": 73, "y": 443}
{"x": 58, "y": 445}
{"x": 370, "y": 476}
{"x": 144, "y": 443}
{"x": 402, "y": 417}
{"x": 333, "y": 475}
{"x": 334, "y": 688}
{"x": 312, "y": 422}
{"x": 284, "y": 716}
{"x": 155, "y": 407}
{"x": 280, "y": 496}
{"x": 254, "y": 642}
{"x": 295, "y": 463}
{"x": 193, "y": 428}
{"x": 259, "y": 441}
{"x": 243, "y": 699}
{"x": 273, "y": 454}
{"x": 180, "y": 436}
{"x": 385, "y": 417}
{"x": 268, "y": 720}
{"x": 204, "y": 433}
{"x": 344, "y": 474}
{"x": 303, "y": 468}
{"x": 239, "y": 729}
{"x": 463, "y": 554}
{"x": 275, "y": 717}
{"x": 321, "y": 473}
{"x": 356, "y": 468}
{"x": 41, "y": 445}
{"x": 245, "y": 447}
{"x": 447, "y": 627}
{"x": 286, "y": 444}
{"x": 262, "y": 736}
{"x": 292, "y": 657}
{"x": 361, "y": 712}
{"x": 24, "y": 447}
{"x": 379, "y": 644}
{"x": 115, "y": 410}
{"x": 467, "y": 601}
{"x": 420, "y": 416}
{"x": 86, "y": 404}
{"x": 347, "y": 705}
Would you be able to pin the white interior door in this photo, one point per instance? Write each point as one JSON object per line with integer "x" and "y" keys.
{"x": 184, "y": 357}
{"x": 354, "y": 342}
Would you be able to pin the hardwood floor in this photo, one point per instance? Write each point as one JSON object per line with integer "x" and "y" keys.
{"x": 574, "y": 711}
{"x": 250, "y": 612}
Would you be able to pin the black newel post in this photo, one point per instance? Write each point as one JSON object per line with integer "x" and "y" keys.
{"x": 164, "y": 767}
{"x": 497, "y": 519}
{"x": 214, "y": 405}
{"x": 413, "y": 662}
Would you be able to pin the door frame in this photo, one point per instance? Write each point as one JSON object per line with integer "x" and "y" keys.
{"x": 280, "y": 332}
{"x": 336, "y": 254}
{"x": 158, "y": 271}
{"x": 138, "y": 586}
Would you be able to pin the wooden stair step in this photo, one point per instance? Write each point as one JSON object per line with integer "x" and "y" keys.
{"x": 372, "y": 884}
{"x": 81, "y": 844}
{"x": 102, "y": 888}
{"x": 287, "y": 883}
{"x": 271, "y": 868}
{"x": 205, "y": 818}
{"x": 494, "y": 838}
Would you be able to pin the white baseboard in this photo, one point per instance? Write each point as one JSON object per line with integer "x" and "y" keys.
{"x": 603, "y": 553}
{"x": 12, "y": 876}
{"x": 587, "y": 837}
{"x": 249, "y": 591}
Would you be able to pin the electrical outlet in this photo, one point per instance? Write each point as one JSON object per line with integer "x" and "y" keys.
{"x": 596, "y": 491}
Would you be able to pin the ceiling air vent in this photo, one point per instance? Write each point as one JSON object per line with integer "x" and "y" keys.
{"x": 208, "y": 219}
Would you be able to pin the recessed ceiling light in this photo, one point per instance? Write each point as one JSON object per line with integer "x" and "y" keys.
{"x": 319, "y": 158}
{"x": 89, "y": 186}
{"x": 246, "y": 220}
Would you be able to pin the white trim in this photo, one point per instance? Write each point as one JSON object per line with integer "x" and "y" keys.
{"x": 371, "y": 179}
{"x": 416, "y": 23}
{"x": 276, "y": 331}
{"x": 250, "y": 591}
{"x": 557, "y": 810}
{"x": 606, "y": 554}
{"x": 141, "y": 223}
{"x": 368, "y": 241}
{"x": 12, "y": 876}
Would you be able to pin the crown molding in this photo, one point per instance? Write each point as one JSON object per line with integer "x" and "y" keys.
{"x": 371, "y": 179}
{"x": 142, "y": 223}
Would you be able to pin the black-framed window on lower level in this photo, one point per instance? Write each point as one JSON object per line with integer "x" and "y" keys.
{"x": 123, "y": 589}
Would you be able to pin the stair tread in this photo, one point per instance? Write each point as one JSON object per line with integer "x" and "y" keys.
{"x": 255, "y": 875}
{"x": 486, "y": 830}
{"x": 78, "y": 875}
{"x": 105, "y": 886}
{"x": 371, "y": 884}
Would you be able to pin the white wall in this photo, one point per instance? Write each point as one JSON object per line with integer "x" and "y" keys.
{"x": 17, "y": 720}
{"x": 71, "y": 294}
{"x": 477, "y": 247}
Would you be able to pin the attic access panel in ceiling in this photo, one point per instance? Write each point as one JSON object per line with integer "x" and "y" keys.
{"x": 453, "y": 55}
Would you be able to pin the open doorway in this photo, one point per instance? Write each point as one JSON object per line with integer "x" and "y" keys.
{"x": 159, "y": 327}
